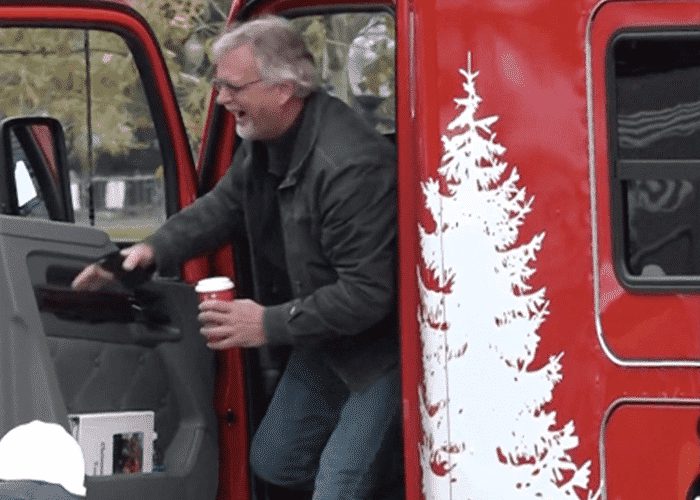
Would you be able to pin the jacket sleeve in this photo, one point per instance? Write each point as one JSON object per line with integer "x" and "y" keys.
{"x": 357, "y": 206}
{"x": 207, "y": 224}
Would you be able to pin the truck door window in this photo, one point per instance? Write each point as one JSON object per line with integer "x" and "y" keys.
{"x": 654, "y": 124}
{"x": 355, "y": 56}
{"x": 88, "y": 80}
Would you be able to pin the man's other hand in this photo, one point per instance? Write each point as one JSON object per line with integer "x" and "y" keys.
{"x": 95, "y": 277}
{"x": 236, "y": 323}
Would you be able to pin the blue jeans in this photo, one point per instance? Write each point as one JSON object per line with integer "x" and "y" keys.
{"x": 317, "y": 435}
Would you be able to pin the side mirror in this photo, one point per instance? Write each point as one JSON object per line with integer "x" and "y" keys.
{"x": 33, "y": 169}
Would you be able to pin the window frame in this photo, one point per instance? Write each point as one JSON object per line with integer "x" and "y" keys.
{"x": 153, "y": 91}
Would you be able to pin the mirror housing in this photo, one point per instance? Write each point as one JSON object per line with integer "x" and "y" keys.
{"x": 34, "y": 178}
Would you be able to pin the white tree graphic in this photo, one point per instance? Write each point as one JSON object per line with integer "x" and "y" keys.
{"x": 486, "y": 434}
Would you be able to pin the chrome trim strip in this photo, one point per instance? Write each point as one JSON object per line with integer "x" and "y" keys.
{"x": 646, "y": 363}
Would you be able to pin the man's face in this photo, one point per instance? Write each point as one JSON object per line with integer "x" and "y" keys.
{"x": 255, "y": 103}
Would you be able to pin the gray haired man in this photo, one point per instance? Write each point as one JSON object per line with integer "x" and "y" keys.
{"x": 311, "y": 191}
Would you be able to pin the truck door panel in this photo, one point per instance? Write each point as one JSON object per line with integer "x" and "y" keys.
{"x": 96, "y": 67}
{"x": 659, "y": 436}
{"x": 56, "y": 364}
{"x": 645, "y": 183}
{"x": 646, "y": 180}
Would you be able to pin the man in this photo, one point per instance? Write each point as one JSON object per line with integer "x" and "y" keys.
{"x": 312, "y": 191}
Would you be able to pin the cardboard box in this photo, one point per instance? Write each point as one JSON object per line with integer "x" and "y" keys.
{"x": 115, "y": 442}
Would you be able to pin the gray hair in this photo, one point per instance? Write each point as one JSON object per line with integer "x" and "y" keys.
{"x": 280, "y": 51}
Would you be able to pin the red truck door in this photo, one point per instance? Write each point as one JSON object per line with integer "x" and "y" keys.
{"x": 96, "y": 67}
{"x": 645, "y": 69}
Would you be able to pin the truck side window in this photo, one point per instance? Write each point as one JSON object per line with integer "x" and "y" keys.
{"x": 355, "y": 56}
{"x": 654, "y": 123}
{"x": 89, "y": 81}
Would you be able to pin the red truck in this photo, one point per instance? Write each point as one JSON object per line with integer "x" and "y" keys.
{"x": 548, "y": 290}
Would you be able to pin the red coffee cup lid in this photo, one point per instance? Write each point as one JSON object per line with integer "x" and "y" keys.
{"x": 215, "y": 284}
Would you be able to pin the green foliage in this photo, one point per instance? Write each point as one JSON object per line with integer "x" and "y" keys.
{"x": 186, "y": 30}
{"x": 45, "y": 71}
{"x": 355, "y": 46}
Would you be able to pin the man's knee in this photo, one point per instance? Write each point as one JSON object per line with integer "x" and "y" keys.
{"x": 280, "y": 465}
{"x": 262, "y": 460}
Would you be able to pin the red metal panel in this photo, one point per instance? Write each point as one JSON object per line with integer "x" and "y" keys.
{"x": 635, "y": 326}
{"x": 409, "y": 140}
{"x": 231, "y": 410}
{"x": 230, "y": 400}
{"x": 651, "y": 451}
{"x": 530, "y": 56}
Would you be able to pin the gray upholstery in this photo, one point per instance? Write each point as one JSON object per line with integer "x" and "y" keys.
{"x": 51, "y": 366}
{"x": 99, "y": 377}
{"x": 34, "y": 490}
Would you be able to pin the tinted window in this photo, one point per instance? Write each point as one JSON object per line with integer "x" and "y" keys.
{"x": 658, "y": 97}
{"x": 655, "y": 149}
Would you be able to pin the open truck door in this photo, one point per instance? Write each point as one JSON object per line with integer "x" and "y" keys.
{"x": 126, "y": 166}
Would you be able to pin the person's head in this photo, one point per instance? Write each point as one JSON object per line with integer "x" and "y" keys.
{"x": 263, "y": 74}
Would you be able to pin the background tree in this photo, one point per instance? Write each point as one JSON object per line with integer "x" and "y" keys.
{"x": 186, "y": 30}
{"x": 45, "y": 69}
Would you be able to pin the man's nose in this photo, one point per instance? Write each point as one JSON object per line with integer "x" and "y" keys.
{"x": 222, "y": 97}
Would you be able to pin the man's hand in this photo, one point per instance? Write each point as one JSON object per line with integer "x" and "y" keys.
{"x": 227, "y": 324}
{"x": 140, "y": 255}
{"x": 95, "y": 277}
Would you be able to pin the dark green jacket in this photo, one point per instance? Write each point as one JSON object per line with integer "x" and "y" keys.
{"x": 338, "y": 215}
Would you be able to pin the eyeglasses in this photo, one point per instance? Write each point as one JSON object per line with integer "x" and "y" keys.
{"x": 220, "y": 84}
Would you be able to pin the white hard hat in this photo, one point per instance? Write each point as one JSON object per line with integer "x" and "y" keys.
{"x": 41, "y": 451}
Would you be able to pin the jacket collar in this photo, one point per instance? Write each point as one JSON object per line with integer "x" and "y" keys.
{"x": 306, "y": 138}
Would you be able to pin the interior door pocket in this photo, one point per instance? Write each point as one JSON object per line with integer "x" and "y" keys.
{"x": 141, "y": 316}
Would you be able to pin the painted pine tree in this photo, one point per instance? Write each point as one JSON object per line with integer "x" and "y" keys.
{"x": 486, "y": 434}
